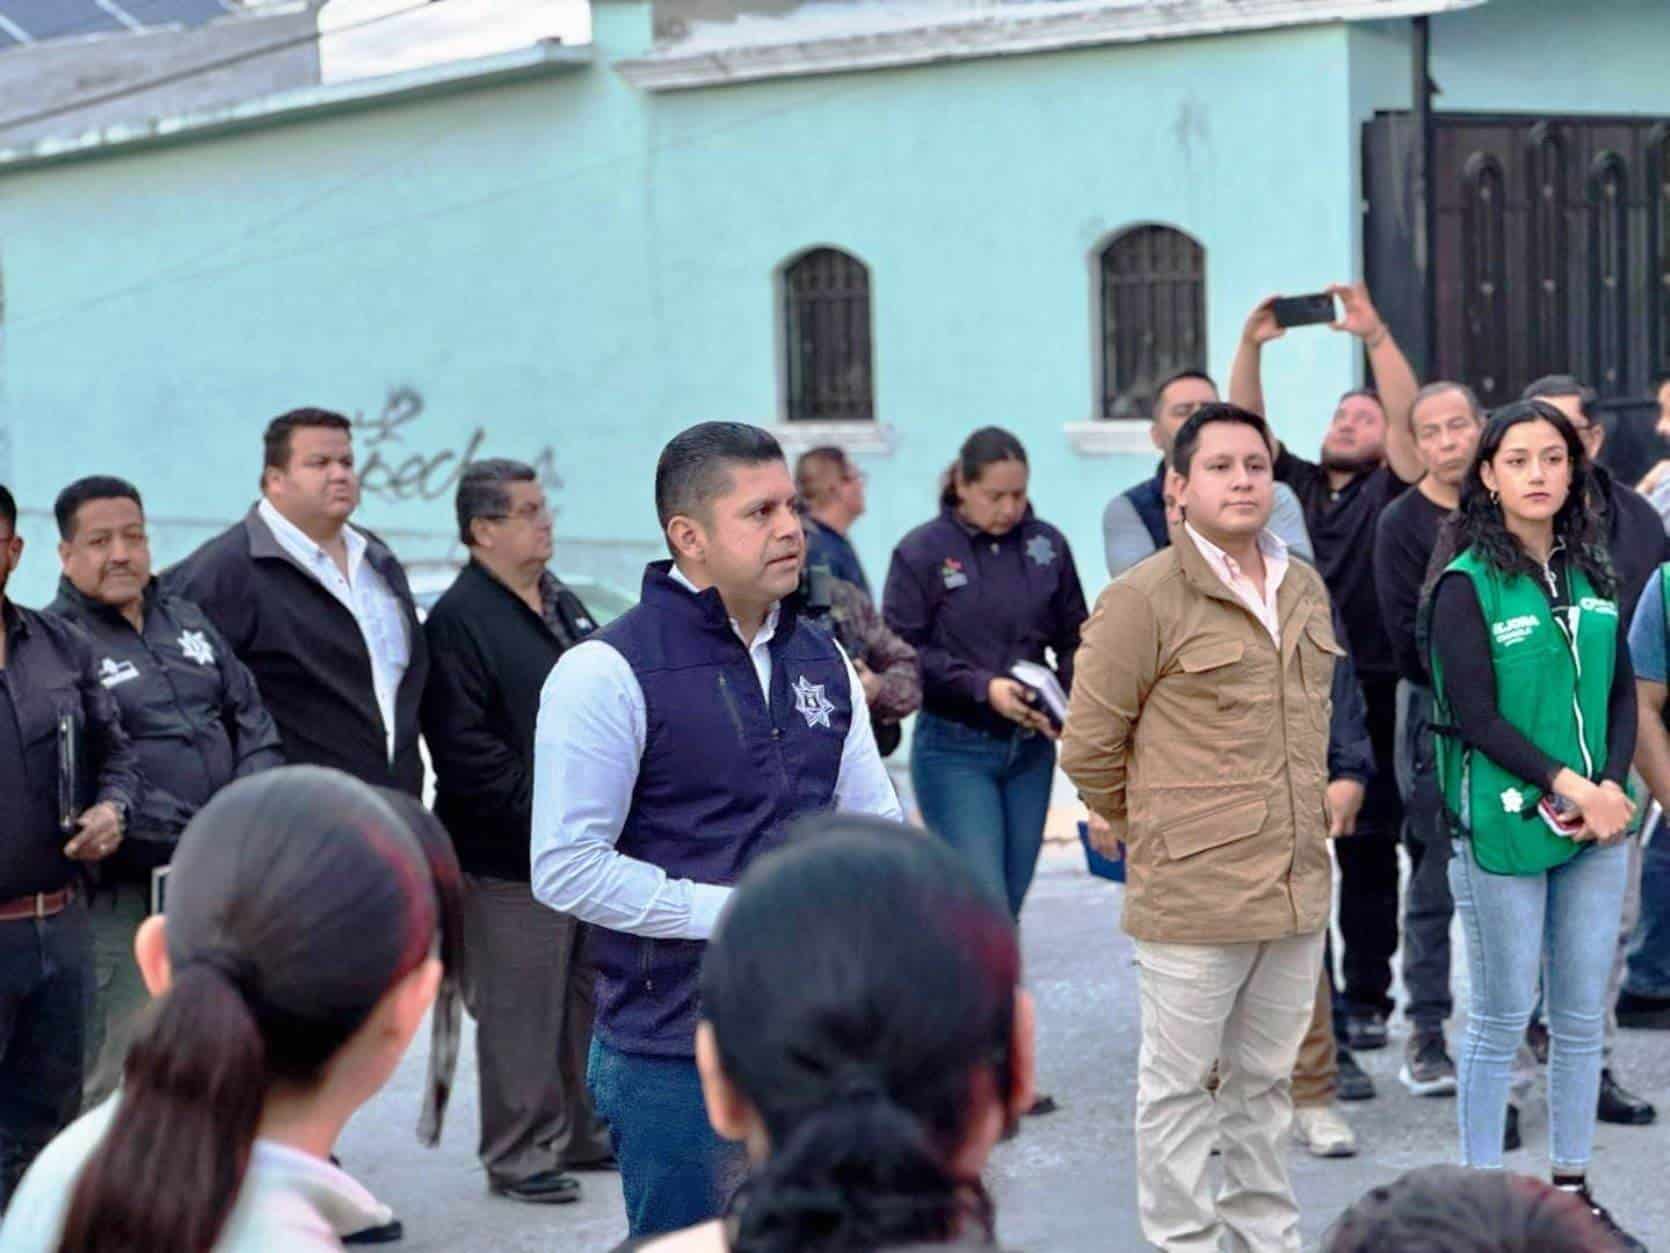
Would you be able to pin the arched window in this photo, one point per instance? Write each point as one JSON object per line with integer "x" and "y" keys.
{"x": 827, "y": 337}
{"x": 1153, "y": 315}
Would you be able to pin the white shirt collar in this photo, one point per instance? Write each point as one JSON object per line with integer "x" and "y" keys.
{"x": 767, "y": 630}
{"x": 1270, "y": 544}
{"x": 302, "y": 546}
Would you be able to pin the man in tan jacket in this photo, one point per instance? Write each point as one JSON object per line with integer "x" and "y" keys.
{"x": 1198, "y": 728}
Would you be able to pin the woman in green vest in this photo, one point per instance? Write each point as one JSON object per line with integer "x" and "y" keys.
{"x": 1536, "y": 706}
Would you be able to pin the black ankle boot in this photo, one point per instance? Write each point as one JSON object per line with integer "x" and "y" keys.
{"x": 1626, "y": 1242}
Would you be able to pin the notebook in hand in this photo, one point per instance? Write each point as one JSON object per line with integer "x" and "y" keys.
{"x": 1051, "y": 700}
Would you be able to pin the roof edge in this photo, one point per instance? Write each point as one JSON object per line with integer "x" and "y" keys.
{"x": 281, "y": 108}
{"x": 992, "y": 36}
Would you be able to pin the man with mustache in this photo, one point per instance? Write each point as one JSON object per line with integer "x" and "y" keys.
{"x": 191, "y": 707}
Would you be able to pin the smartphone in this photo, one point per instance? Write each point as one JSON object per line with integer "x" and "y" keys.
{"x": 1561, "y": 816}
{"x": 1304, "y": 310}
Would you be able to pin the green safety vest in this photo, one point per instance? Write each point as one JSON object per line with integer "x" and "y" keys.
{"x": 1554, "y": 684}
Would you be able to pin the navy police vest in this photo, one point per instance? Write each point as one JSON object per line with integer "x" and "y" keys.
{"x": 723, "y": 772}
{"x": 1148, "y": 499}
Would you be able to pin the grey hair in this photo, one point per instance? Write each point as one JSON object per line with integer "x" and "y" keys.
{"x": 1440, "y": 388}
{"x": 482, "y": 491}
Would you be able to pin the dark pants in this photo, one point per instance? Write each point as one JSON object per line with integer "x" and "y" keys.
{"x": 1428, "y": 907}
{"x": 1649, "y": 956}
{"x": 987, "y": 796}
{"x": 675, "y": 1171}
{"x": 1368, "y": 866}
{"x": 121, "y": 997}
{"x": 46, "y": 990}
{"x": 532, "y": 1002}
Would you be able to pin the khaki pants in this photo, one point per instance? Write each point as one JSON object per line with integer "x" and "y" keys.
{"x": 1250, "y": 1005}
{"x": 1316, "y": 1073}
{"x": 532, "y": 1001}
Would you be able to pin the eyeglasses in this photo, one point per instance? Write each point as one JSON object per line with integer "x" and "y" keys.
{"x": 523, "y": 513}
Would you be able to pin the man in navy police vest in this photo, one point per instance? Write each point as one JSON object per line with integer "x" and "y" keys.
{"x": 673, "y": 748}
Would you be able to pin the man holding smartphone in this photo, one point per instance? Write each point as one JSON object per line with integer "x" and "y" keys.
{"x": 1368, "y": 458}
{"x": 60, "y": 741}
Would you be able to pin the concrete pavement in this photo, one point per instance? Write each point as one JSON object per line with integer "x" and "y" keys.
{"x": 1067, "y": 1183}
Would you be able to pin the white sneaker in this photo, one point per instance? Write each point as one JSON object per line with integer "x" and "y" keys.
{"x": 1324, "y": 1131}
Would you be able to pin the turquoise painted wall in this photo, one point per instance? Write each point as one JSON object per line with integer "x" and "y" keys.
{"x": 574, "y": 266}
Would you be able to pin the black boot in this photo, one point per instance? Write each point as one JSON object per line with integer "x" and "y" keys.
{"x": 1619, "y": 1105}
{"x": 1354, "y": 1083}
{"x": 1510, "y": 1133}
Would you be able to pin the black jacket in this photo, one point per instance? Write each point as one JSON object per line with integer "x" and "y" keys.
{"x": 189, "y": 704}
{"x": 307, "y": 653}
{"x": 491, "y": 653}
{"x": 51, "y": 673}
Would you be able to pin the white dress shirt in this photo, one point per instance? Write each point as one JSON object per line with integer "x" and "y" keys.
{"x": 366, "y": 595}
{"x": 1235, "y": 578}
{"x": 589, "y": 741}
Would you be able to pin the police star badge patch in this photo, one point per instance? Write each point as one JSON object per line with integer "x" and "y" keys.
{"x": 195, "y": 645}
{"x": 811, "y": 704}
{"x": 1040, "y": 550}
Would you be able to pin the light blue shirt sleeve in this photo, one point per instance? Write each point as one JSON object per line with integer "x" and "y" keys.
{"x": 1125, "y": 540}
{"x": 1646, "y": 631}
{"x": 1287, "y": 520}
{"x": 588, "y": 742}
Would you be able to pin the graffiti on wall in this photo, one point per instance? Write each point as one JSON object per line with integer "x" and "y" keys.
{"x": 397, "y": 464}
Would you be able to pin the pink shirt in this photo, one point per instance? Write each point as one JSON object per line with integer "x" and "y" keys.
{"x": 1235, "y": 579}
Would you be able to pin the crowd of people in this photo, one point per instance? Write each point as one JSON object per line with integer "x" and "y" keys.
{"x": 667, "y": 874}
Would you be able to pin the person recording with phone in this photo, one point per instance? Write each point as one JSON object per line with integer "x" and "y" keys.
{"x": 984, "y": 585}
{"x": 1368, "y": 458}
{"x": 1535, "y": 721}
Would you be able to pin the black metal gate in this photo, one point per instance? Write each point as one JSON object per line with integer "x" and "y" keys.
{"x": 1550, "y": 248}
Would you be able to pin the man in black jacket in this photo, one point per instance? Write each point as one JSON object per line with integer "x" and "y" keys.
{"x": 61, "y": 743}
{"x": 191, "y": 708}
{"x": 318, "y": 609}
{"x": 494, "y": 636}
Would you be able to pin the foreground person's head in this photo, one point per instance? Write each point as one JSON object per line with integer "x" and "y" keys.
{"x": 1450, "y": 1209}
{"x": 306, "y": 926}
{"x": 865, "y": 1036}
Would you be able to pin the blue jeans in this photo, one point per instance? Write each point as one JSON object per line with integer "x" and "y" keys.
{"x": 1649, "y": 954}
{"x": 674, "y": 1169}
{"x": 985, "y": 796}
{"x": 46, "y": 992}
{"x": 1511, "y": 923}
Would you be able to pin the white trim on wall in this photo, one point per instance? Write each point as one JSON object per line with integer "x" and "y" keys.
{"x": 870, "y": 439}
{"x": 710, "y": 63}
{"x": 1102, "y": 437}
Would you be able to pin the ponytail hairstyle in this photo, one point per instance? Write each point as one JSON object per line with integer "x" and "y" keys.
{"x": 299, "y": 897}
{"x": 986, "y": 447}
{"x": 1478, "y": 524}
{"x": 861, "y": 991}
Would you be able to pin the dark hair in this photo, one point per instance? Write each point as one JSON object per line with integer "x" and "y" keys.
{"x": 887, "y": 974}
{"x": 812, "y": 466}
{"x": 275, "y": 443}
{"x": 694, "y": 468}
{"x": 986, "y": 447}
{"x": 84, "y": 491}
{"x": 1551, "y": 385}
{"x": 1450, "y": 1209}
{"x": 8, "y": 507}
{"x": 1188, "y": 435}
{"x": 1367, "y": 393}
{"x": 1178, "y": 377}
{"x": 298, "y": 898}
{"x": 1478, "y": 523}
{"x": 1443, "y": 387}
{"x": 482, "y": 492}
